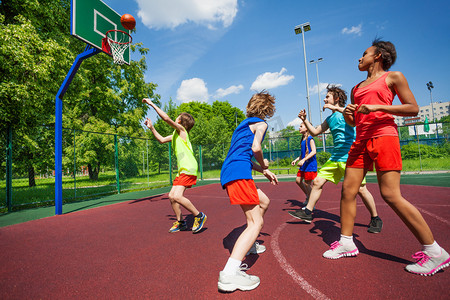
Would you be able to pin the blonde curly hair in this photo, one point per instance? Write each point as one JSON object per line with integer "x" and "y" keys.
{"x": 261, "y": 105}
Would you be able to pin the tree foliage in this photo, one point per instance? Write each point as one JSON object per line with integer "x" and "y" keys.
{"x": 37, "y": 53}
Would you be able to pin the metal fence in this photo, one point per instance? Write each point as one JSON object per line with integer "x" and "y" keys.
{"x": 98, "y": 164}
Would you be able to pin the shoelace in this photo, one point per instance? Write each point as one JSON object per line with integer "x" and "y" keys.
{"x": 335, "y": 245}
{"x": 420, "y": 258}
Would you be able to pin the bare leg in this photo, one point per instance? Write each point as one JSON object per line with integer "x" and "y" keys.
{"x": 316, "y": 191}
{"x": 368, "y": 200}
{"x": 389, "y": 183}
{"x": 177, "y": 198}
{"x": 299, "y": 181}
{"x": 248, "y": 236}
{"x": 264, "y": 202}
{"x": 352, "y": 181}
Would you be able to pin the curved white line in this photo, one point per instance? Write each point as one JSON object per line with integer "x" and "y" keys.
{"x": 315, "y": 293}
{"x": 289, "y": 269}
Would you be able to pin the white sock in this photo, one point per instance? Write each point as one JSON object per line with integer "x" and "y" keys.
{"x": 232, "y": 266}
{"x": 345, "y": 240}
{"x": 433, "y": 249}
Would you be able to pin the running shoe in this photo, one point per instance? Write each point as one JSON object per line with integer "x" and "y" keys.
{"x": 178, "y": 226}
{"x": 338, "y": 250}
{"x": 256, "y": 249}
{"x": 238, "y": 281}
{"x": 426, "y": 265}
{"x": 302, "y": 215}
{"x": 198, "y": 223}
{"x": 375, "y": 225}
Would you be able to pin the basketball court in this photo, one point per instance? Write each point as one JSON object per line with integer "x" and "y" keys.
{"x": 125, "y": 251}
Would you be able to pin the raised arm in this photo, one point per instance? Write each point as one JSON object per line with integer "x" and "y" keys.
{"x": 161, "y": 139}
{"x": 165, "y": 117}
{"x": 313, "y": 131}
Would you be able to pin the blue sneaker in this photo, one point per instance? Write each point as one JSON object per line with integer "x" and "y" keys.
{"x": 198, "y": 223}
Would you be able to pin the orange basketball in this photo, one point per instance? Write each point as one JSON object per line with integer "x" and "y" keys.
{"x": 128, "y": 21}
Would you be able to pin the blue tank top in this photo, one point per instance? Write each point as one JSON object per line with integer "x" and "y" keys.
{"x": 311, "y": 164}
{"x": 343, "y": 136}
{"x": 238, "y": 163}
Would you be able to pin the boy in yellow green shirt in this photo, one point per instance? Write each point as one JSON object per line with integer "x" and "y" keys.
{"x": 187, "y": 166}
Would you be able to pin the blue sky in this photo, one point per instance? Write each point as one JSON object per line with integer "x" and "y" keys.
{"x": 207, "y": 50}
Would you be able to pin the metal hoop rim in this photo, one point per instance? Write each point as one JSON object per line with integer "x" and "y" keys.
{"x": 118, "y": 30}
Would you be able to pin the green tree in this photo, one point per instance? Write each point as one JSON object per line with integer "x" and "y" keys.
{"x": 31, "y": 67}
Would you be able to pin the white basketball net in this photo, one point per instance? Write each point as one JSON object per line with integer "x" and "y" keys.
{"x": 119, "y": 41}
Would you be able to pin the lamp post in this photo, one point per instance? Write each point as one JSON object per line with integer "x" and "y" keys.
{"x": 430, "y": 87}
{"x": 318, "y": 93}
{"x": 302, "y": 28}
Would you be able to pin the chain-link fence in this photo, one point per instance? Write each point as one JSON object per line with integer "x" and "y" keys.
{"x": 98, "y": 164}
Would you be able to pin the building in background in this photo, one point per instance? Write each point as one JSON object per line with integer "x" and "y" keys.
{"x": 441, "y": 109}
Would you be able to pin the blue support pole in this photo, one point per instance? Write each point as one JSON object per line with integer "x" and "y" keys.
{"x": 88, "y": 52}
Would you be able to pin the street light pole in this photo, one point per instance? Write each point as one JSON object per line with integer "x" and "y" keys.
{"x": 430, "y": 87}
{"x": 302, "y": 28}
{"x": 318, "y": 94}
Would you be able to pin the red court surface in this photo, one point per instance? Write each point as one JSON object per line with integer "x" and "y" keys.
{"x": 124, "y": 251}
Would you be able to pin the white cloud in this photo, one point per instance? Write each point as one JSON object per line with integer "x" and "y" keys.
{"x": 353, "y": 30}
{"x": 193, "y": 89}
{"x": 323, "y": 88}
{"x": 296, "y": 123}
{"x": 271, "y": 80}
{"x": 170, "y": 14}
{"x": 234, "y": 89}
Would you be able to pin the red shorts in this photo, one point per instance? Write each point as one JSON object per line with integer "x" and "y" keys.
{"x": 185, "y": 180}
{"x": 384, "y": 151}
{"x": 307, "y": 175}
{"x": 242, "y": 191}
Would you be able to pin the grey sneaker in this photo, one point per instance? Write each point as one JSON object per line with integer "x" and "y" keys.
{"x": 375, "y": 225}
{"x": 239, "y": 281}
{"x": 426, "y": 265}
{"x": 256, "y": 249}
{"x": 301, "y": 214}
{"x": 338, "y": 250}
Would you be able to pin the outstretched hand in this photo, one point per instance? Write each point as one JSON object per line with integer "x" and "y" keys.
{"x": 148, "y": 101}
{"x": 329, "y": 106}
{"x": 302, "y": 115}
{"x": 148, "y": 123}
{"x": 272, "y": 177}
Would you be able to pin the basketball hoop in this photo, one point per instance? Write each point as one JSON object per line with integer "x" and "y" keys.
{"x": 115, "y": 43}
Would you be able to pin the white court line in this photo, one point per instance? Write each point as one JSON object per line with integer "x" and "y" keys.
{"x": 289, "y": 269}
{"x": 434, "y": 216}
{"x": 315, "y": 293}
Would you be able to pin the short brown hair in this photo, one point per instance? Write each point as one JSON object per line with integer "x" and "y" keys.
{"x": 187, "y": 121}
{"x": 338, "y": 93}
{"x": 262, "y": 105}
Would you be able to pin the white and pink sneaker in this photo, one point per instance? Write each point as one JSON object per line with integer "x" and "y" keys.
{"x": 338, "y": 250}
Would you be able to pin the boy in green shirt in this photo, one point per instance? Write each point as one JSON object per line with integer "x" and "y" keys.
{"x": 187, "y": 166}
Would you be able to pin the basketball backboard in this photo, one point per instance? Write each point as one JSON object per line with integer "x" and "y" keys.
{"x": 91, "y": 19}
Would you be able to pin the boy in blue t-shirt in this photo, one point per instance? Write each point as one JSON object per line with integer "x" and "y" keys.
{"x": 334, "y": 169}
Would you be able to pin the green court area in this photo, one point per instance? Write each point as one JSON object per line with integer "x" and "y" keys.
{"x": 438, "y": 179}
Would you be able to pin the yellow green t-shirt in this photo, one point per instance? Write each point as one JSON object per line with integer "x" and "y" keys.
{"x": 187, "y": 164}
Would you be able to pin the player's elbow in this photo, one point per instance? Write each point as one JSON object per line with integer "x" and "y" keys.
{"x": 256, "y": 148}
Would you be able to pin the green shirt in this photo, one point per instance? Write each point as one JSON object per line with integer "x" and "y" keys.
{"x": 187, "y": 164}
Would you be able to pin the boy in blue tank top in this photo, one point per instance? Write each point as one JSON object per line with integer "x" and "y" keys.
{"x": 236, "y": 178}
{"x": 334, "y": 169}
